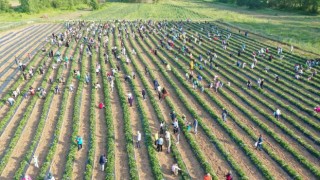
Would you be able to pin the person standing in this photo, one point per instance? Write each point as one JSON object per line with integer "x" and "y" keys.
{"x": 160, "y": 143}
{"x": 277, "y": 113}
{"x": 195, "y": 126}
{"x": 138, "y": 139}
{"x": 249, "y": 84}
{"x": 224, "y": 114}
{"x": 143, "y": 94}
{"x": 168, "y": 140}
{"x": 102, "y": 161}
{"x": 259, "y": 143}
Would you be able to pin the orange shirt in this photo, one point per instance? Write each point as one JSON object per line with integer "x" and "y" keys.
{"x": 206, "y": 177}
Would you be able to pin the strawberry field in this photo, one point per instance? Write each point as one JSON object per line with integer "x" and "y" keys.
{"x": 103, "y": 62}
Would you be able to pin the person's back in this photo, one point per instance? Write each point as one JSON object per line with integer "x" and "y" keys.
{"x": 207, "y": 177}
{"x": 79, "y": 139}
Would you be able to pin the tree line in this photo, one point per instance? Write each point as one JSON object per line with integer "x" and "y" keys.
{"x": 34, "y": 6}
{"x": 309, "y": 6}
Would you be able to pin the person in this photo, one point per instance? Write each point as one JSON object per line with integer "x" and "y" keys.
{"x": 261, "y": 83}
{"x": 277, "y": 113}
{"x": 143, "y": 94}
{"x": 101, "y": 105}
{"x": 258, "y": 144}
{"x": 56, "y": 89}
{"x": 15, "y": 94}
{"x": 71, "y": 87}
{"x": 35, "y": 161}
{"x": 207, "y": 176}
{"x": 130, "y": 100}
{"x": 224, "y": 114}
{"x": 195, "y": 126}
{"x": 26, "y": 177}
{"x": 173, "y": 115}
{"x": 87, "y": 78}
{"x": 229, "y": 176}
{"x": 11, "y": 101}
{"x": 156, "y": 138}
{"x": 97, "y": 86}
{"x": 159, "y": 144}
{"x": 79, "y": 142}
{"x": 138, "y": 139}
{"x": 249, "y": 84}
{"x": 317, "y": 109}
{"x": 168, "y": 140}
{"x": 102, "y": 161}
{"x": 50, "y": 176}
{"x": 175, "y": 169}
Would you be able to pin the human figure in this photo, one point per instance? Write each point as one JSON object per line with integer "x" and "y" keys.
{"x": 224, "y": 114}
{"x": 143, "y": 94}
{"x": 102, "y": 161}
{"x": 159, "y": 144}
{"x": 138, "y": 139}
{"x": 79, "y": 142}
{"x": 35, "y": 161}
{"x": 258, "y": 144}
{"x": 101, "y": 105}
{"x": 207, "y": 176}
{"x": 168, "y": 140}
{"x": 277, "y": 113}
{"x": 175, "y": 169}
{"x": 195, "y": 126}
{"x": 229, "y": 176}
{"x": 11, "y": 101}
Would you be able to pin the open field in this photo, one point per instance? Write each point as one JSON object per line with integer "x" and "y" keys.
{"x": 47, "y": 127}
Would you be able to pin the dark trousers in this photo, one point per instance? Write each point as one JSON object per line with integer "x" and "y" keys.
{"x": 79, "y": 146}
{"x": 159, "y": 148}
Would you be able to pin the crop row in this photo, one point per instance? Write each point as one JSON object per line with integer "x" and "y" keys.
{"x": 56, "y": 136}
{"x": 133, "y": 171}
{"x": 110, "y": 171}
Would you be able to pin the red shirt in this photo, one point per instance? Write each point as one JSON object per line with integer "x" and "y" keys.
{"x": 206, "y": 177}
{"x": 228, "y": 177}
{"x": 101, "y": 105}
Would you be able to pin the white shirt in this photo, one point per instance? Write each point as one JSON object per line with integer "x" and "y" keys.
{"x": 139, "y": 136}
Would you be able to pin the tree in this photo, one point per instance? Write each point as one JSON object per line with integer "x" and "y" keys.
{"x": 94, "y": 4}
{"x": 4, "y": 6}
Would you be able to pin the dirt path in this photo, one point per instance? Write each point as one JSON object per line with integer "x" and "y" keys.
{"x": 59, "y": 159}
{"x": 121, "y": 156}
{"x": 81, "y": 156}
{"x": 101, "y": 130}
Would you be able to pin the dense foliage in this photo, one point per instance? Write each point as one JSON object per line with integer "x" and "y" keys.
{"x": 4, "y": 6}
{"x": 310, "y": 6}
{"x": 36, "y": 5}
